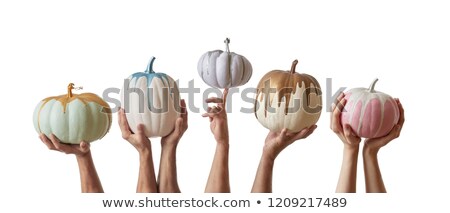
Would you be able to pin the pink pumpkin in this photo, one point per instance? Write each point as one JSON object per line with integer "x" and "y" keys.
{"x": 370, "y": 113}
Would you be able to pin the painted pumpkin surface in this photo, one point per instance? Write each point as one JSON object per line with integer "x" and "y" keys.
{"x": 370, "y": 113}
{"x": 73, "y": 118}
{"x": 152, "y": 99}
{"x": 224, "y": 69}
{"x": 287, "y": 99}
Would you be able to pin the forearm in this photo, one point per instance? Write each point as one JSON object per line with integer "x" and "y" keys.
{"x": 219, "y": 180}
{"x": 90, "y": 182}
{"x": 372, "y": 173}
{"x": 167, "y": 176}
{"x": 146, "y": 179}
{"x": 347, "y": 177}
{"x": 263, "y": 178}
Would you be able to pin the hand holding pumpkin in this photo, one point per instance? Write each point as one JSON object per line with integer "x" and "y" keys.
{"x": 374, "y": 144}
{"x": 181, "y": 125}
{"x": 278, "y": 141}
{"x": 345, "y": 133}
{"x": 218, "y": 118}
{"x": 138, "y": 139}
{"x": 53, "y": 143}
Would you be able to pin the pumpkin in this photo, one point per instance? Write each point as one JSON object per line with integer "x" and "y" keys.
{"x": 224, "y": 69}
{"x": 370, "y": 113}
{"x": 73, "y": 118}
{"x": 287, "y": 99}
{"x": 153, "y": 99}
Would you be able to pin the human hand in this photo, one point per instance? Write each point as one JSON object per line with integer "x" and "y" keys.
{"x": 181, "y": 126}
{"x": 374, "y": 144}
{"x": 277, "y": 141}
{"x": 138, "y": 139}
{"x": 53, "y": 143}
{"x": 218, "y": 118}
{"x": 345, "y": 133}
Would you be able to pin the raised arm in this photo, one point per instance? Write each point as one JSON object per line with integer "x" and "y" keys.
{"x": 167, "y": 176}
{"x": 347, "y": 177}
{"x": 374, "y": 180}
{"x": 219, "y": 180}
{"x": 90, "y": 182}
{"x": 146, "y": 180}
{"x": 274, "y": 144}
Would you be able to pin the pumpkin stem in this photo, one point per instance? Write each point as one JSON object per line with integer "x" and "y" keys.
{"x": 227, "y": 47}
{"x": 372, "y": 86}
{"x": 150, "y": 66}
{"x": 294, "y": 64}
{"x": 69, "y": 90}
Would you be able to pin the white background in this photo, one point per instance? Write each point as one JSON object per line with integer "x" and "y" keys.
{"x": 44, "y": 45}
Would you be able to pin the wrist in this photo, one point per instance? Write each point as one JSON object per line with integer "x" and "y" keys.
{"x": 269, "y": 155}
{"x": 222, "y": 141}
{"x": 351, "y": 148}
{"x": 268, "y": 158}
{"x": 85, "y": 155}
{"x": 144, "y": 151}
{"x": 167, "y": 144}
{"x": 367, "y": 150}
{"x": 223, "y": 145}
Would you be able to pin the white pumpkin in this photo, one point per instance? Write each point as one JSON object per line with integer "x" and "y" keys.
{"x": 154, "y": 103}
{"x": 73, "y": 118}
{"x": 224, "y": 69}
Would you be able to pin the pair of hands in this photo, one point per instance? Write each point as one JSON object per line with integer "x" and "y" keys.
{"x": 349, "y": 138}
{"x": 142, "y": 143}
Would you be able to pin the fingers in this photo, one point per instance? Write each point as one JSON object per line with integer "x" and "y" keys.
{"x": 304, "y": 133}
{"x": 338, "y": 99}
{"x": 310, "y": 131}
{"x": 179, "y": 126}
{"x": 221, "y": 102}
{"x": 212, "y": 111}
{"x": 47, "y": 142}
{"x": 123, "y": 124}
{"x": 214, "y": 100}
{"x": 283, "y": 134}
{"x": 184, "y": 113}
{"x": 224, "y": 97}
{"x": 350, "y": 136}
{"x": 84, "y": 147}
{"x": 141, "y": 130}
{"x": 393, "y": 134}
{"x": 336, "y": 115}
{"x": 401, "y": 120}
{"x": 58, "y": 145}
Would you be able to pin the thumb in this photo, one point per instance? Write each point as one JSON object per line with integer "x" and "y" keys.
{"x": 178, "y": 125}
{"x": 349, "y": 135}
{"x": 141, "y": 129}
{"x": 84, "y": 146}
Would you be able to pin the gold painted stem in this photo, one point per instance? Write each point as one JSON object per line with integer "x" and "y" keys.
{"x": 69, "y": 90}
{"x": 294, "y": 64}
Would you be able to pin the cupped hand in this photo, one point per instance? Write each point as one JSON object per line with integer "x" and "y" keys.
{"x": 346, "y": 134}
{"x": 53, "y": 143}
{"x": 278, "y": 141}
{"x": 138, "y": 139}
{"x": 181, "y": 125}
{"x": 374, "y": 144}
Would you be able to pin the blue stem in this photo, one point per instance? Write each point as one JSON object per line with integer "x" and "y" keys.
{"x": 150, "y": 66}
